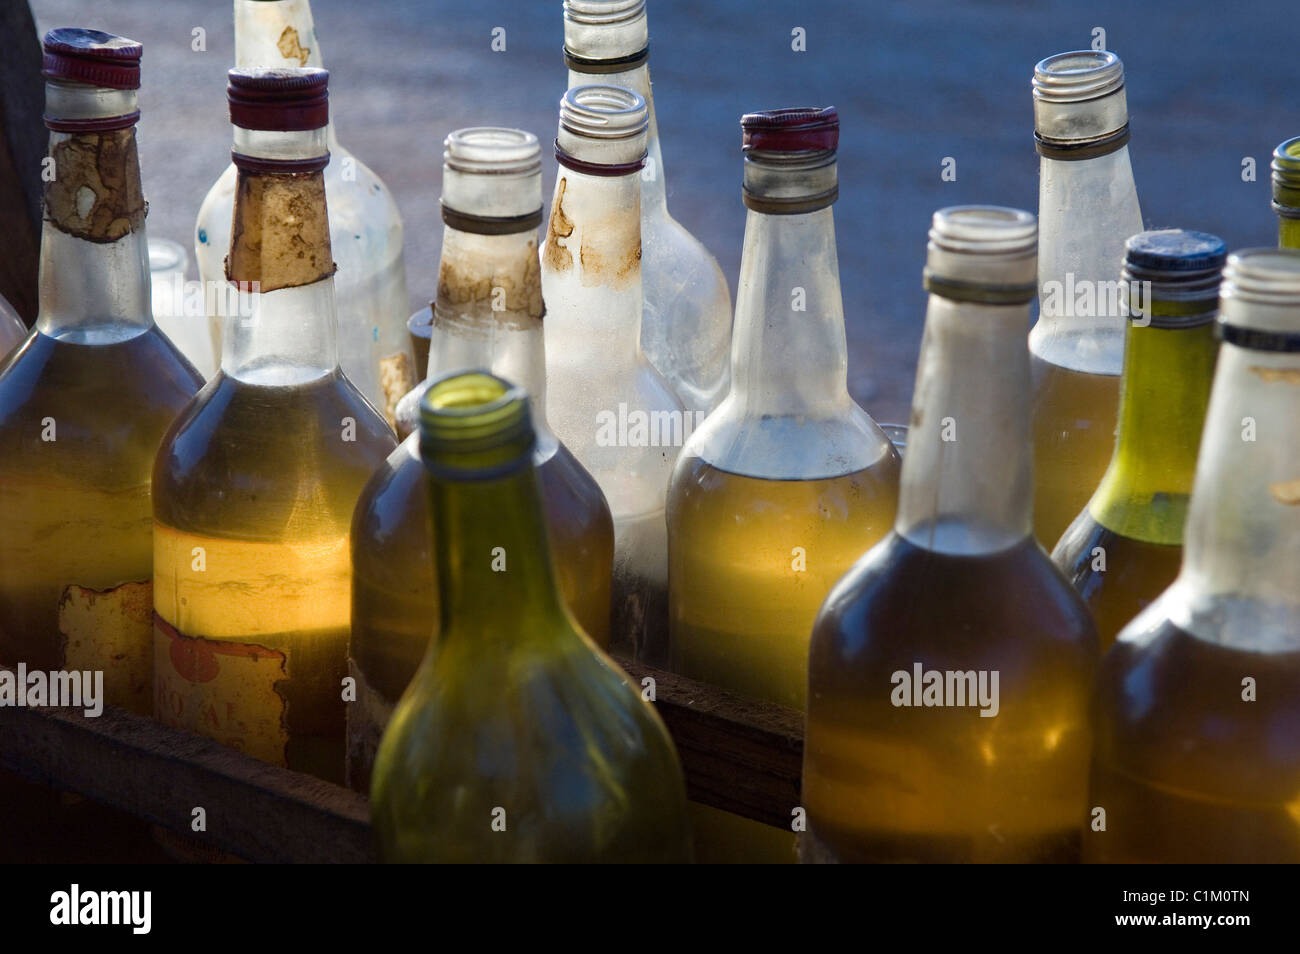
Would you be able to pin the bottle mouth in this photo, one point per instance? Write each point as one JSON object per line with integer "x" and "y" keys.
{"x": 602, "y": 12}
{"x": 985, "y": 230}
{"x": 1179, "y": 264}
{"x": 280, "y": 99}
{"x": 1266, "y": 276}
{"x": 605, "y": 113}
{"x": 1286, "y": 178}
{"x": 493, "y": 150}
{"x": 983, "y": 254}
{"x": 1078, "y": 76}
{"x": 473, "y": 413}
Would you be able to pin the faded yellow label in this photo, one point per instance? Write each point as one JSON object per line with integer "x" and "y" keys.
{"x": 1276, "y": 375}
{"x": 108, "y": 631}
{"x": 222, "y": 689}
{"x": 280, "y": 236}
{"x": 95, "y": 193}
{"x": 396, "y": 378}
{"x": 1286, "y": 492}
{"x": 291, "y": 48}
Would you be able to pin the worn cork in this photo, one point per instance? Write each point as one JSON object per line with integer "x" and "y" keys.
{"x": 280, "y": 236}
{"x": 95, "y": 193}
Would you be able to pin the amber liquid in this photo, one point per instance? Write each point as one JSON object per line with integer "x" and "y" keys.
{"x": 253, "y": 503}
{"x": 1133, "y": 574}
{"x": 1073, "y": 422}
{"x": 75, "y": 517}
{"x": 1186, "y": 769}
{"x": 394, "y": 599}
{"x": 944, "y": 784}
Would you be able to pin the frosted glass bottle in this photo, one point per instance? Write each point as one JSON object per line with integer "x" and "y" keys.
{"x": 365, "y": 226}
{"x": 686, "y": 324}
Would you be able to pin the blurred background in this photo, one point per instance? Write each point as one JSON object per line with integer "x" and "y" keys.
{"x": 1208, "y": 86}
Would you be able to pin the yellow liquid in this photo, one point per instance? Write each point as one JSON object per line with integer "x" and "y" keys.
{"x": 79, "y": 429}
{"x": 750, "y": 561}
{"x": 1074, "y": 416}
{"x": 252, "y": 570}
{"x": 1186, "y": 769}
{"x": 942, "y": 783}
{"x": 395, "y": 605}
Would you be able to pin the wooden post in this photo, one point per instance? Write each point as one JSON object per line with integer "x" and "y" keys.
{"x": 22, "y": 147}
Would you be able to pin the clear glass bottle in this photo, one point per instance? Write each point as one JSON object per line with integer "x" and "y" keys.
{"x": 365, "y": 226}
{"x": 1124, "y": 548}
{"x": 517, "y": 740}
{"x": 1197, "y": 754}
{"x": 992, "y": 764}
{"x": 86, "y": 399}
{"x": 1087, "y": 207}
{"x": 488, "y": 314}
{"x": 788, "y": 482}
{"x": 256, "y": 481}
{"x": 12, "y": 329}
{"x": 606, "y": 402}
{"x": 1286, "y": 192}
{"x": 686, "y": 327}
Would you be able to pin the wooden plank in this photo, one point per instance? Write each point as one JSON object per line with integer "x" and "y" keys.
{"x": 22, "y": 146}
{"x": 257, "y": 811}
{"x": 739, "y": 754}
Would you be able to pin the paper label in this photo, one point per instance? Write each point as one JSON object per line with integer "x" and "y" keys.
{"x": 108, "y": 631}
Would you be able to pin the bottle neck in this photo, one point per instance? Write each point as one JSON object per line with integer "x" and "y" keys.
{"x": 489, "y": 313}
{"x": 965, "y": 486}
{"x": 591, "y": 262}
{"x": 94, "y": 267}
{"x": 1087, "y": 210}
{"x": 492, "y": 556}
{"x": 654, "y": 191}
{"x": 281, "y": 326}
{"x": 1240, "y": 579}
{"x": 1163, "y": 395}
{"x": 788, "y": 353}
{"x": 1288, "y": 232}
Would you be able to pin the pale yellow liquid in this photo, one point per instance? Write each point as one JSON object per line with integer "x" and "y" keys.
{"x": 1074, "y": 417}
{"x": 253, "y": 507}
{"x": 79, "y": 428}
{"x": 750, "y": 561}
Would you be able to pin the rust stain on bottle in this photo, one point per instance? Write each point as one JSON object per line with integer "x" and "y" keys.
{"x": 1276, "y": 375}
{"x": 560, "y": 226}
{"x": 506, "y": 293}
{"x": 1286, "y": 492}
{"x": 291, "y": 48}
{"x": 95, "y": 194}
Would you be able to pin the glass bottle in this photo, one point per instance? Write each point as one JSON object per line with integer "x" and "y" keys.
{"x": 518, "y": 739}
{"x": 488, "y": 313}
{"x": 950, "y": 669}
{"x": 1286, "y": 192}
{"x": 788, "y": 482}
{"x": 1124, "y": 548}
{"x": 606, "y": 402}
{"x": 686, "y": 327}
{"x": 256, "y": 481}
{"x": 1197, "y": 757}
{"x": 365, "y": 226}
{"x": 12, "y": 328}
{"x": 86, "y": 399}
{"x": 1087, "y": 207}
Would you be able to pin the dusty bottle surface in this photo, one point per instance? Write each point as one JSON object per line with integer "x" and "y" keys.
{"x": 606, "y": 402}
{"x": 365, "y": 226}
{"x": 87, "y": 397}
{"x": 12, "y": 330}
{"x": 1125, "y": 547}
{"x": 488, "y": 314}
{"x": 686, "y": 325}
{"x": 1087, "y": 207}
{"x": 257, "y": 480}
{"x": 518, "y": 740}
{"x": 1197, "y": 754}
{"x": 950, "y": 669}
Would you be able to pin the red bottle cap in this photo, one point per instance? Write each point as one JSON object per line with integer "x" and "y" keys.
{"x": 92, "y": 57}
{"x": 279, "y": 100}
{"x": 802, "y": 129}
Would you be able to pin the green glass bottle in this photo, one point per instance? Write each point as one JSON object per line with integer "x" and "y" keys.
{"x": 518, "y": 740}
{"x": 1286, "y": 192}
{"x": 1125, "y": 546}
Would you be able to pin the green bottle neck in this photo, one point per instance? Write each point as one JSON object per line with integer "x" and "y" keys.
{"x": 497, "y": 587}
{"x": 1288, "y": 232}
{"x": 1163, "y": 396}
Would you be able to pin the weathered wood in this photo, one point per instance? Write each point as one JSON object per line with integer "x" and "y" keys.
{"x": 22, "y": 146}
{"x": 254, "y": 810}
{"x": 739, "y": 754}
